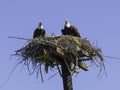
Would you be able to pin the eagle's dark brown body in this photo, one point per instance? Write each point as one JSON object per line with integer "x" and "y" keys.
{"x": 39, "y": 33}
{"x": 70, "y": 31}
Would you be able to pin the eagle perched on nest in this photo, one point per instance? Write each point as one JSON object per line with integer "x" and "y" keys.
{"x": 39, "y": 31}
{"x": 70, "y": 30}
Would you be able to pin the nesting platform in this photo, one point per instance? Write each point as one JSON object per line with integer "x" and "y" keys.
{"x": 51, "y": 51}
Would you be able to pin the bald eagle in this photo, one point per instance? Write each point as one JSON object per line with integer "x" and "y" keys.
{"x": 39, "y": 31}
{"x": 70, "y": 30}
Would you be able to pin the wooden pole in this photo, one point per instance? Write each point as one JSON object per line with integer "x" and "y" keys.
{"x": 67, "y": 78}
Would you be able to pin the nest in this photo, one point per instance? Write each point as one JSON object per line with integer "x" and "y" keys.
{"x": 53, "y": 51}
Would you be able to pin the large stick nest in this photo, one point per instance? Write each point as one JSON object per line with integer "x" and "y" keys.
{"x": 53, "y": 51}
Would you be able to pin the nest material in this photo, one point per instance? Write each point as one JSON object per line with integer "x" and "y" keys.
{"x": 52, "y": 51}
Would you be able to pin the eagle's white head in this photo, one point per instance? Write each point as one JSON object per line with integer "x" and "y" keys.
{"x": 67, "y": 23}
{"x": 40, "y": 26}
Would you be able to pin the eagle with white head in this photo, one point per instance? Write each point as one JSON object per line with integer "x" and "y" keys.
{"x": 70, "y": 30}
{"x": 39, "y": 31}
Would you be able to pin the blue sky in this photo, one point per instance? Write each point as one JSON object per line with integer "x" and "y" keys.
{"x": 98, "y": 20}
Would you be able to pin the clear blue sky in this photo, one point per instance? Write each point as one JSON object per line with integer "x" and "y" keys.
{"x": 98, "y": 20}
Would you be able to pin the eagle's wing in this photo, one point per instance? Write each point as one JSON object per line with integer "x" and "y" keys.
{"x": 75, "y": 31}
{"x": 63, "y": 32}
{"x": 35, "y": 34}
{"x": 43, "y": 32}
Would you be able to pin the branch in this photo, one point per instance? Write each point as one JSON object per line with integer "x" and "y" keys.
{"x": 19, "y": 38}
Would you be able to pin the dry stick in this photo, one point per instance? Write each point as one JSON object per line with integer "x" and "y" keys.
{"x": 52, "y": 76}
{"x": 37, "y": 73}
{"x": 28, "y": 63}
{"x": 84, "y": 59}
{"x": 19, "y": 38}
{"x": 30, "y": 72}
{"x": 104, "y": 69}
{"x": 56, "y": 73}
{"x": 112, "y": 57}
{"x": 41, "y": 73}
{"x": 59, "y": 71}
{"x": 101, "y": 71}
{"x": 10, "y": 74}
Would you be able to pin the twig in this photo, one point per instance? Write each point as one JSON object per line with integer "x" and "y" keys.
{"x": 59, "y": 71}
{"x": 52, "y": 76}
{"x": 41, "y": 73}
{"x": 19, "y": 38}
{"x": 112, "y": 57}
